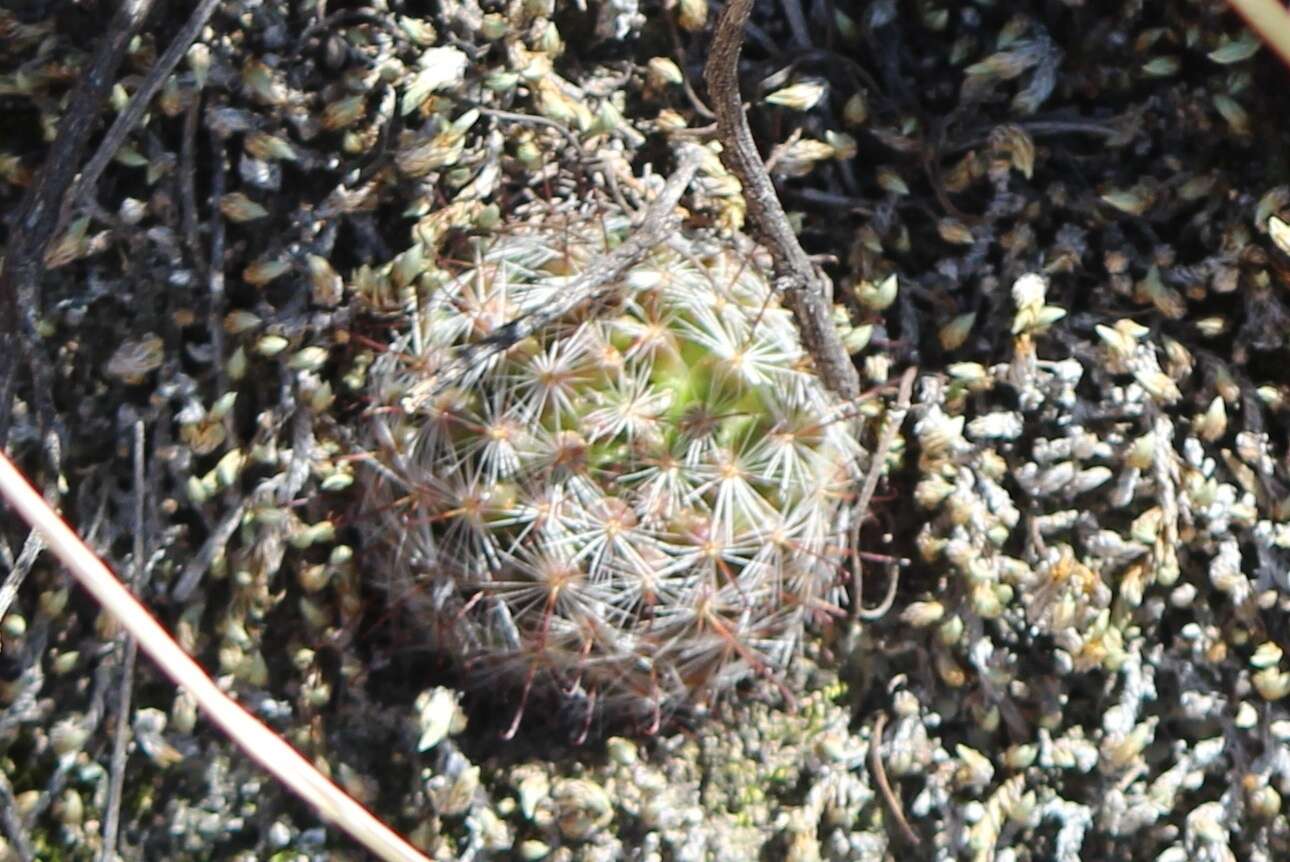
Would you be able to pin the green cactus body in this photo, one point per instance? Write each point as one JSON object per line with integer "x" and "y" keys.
{"x": 637, "y": 506}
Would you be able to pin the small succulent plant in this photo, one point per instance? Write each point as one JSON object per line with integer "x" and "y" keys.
{"x": 637, "y": 506}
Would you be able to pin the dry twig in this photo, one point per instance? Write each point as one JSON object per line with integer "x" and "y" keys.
{"x": 121, "y": 733}
{"x": 37, "y": 218}
{"x": 678, "y": 53}
{"x": 1270, "y": 20}
{"x": 125, "y": 121}
{"x": 199, "y": 563}
{"x": 215, "y": 272}
{"x": 266, "y": 748}
{"x": 188, "y": 183}
{"x": 894, "y": 419}
{"x": 884, "y": 786}
{"x": 805, "y": 287}
{"x": 31, "y": 549}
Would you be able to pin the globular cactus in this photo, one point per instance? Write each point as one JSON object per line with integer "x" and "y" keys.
{"x": 636, "y": 506}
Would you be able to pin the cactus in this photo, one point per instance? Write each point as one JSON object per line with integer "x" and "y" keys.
{"x": 639, "y": 505}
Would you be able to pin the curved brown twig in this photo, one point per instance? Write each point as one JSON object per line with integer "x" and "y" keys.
{"x": 884, "y": 786}
{"x": 895, "y": 418}
{"x": 805, "y": 287}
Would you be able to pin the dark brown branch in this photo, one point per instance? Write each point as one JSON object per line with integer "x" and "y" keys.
{"x": 38, "y": 214}
{"x": 797, "y": 24}
{"x": 805, "y": 287}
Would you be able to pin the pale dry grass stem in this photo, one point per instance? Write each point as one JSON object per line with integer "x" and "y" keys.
{"x": 254, "y": 738}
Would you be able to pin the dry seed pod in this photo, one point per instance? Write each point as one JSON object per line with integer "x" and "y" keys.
{"x": 344, "y": 113}
{"x": 326, "y": 286}
{"x": 801, "y": 96}
{"x": 237, "y": 207}
{"x": 260, "y": 81}
{"x": 662, "y": 72}
{"x": 691, "y": 15}
{"x": 856, "y": 110}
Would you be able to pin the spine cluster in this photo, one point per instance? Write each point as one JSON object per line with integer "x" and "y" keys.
{"x": 640, "y": 505}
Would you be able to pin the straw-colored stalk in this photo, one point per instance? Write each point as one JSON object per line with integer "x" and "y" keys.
{"x": 258, "y": 741}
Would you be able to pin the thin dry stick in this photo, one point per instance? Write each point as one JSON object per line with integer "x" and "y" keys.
{"x": 280, "y": 759}
{"x": 200, "y": 562}
{"x": 18, "y": 572}
{"x": 884, "y": 786}
{"x": 37, "y": 217}
{"x": 532, "y": 120}
{"x": 215, "y": 272}
{"x": 805, "y": 287}
{"x": 891, "y": 425}
{"x": 116, "y": 783}
{"x": 1270, "y": 20}
{"x": 138, "y": 104}
{"x": 188, "y": 184}
{"x": 678, "y": 53}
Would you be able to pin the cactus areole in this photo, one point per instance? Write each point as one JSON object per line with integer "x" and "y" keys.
{"x": 635, "y": 507}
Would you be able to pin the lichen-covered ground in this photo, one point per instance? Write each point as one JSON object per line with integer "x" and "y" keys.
{"x": 1087, "y": 506}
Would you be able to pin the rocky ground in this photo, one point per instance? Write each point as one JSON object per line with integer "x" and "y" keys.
{"x": 1063, "y": 220}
